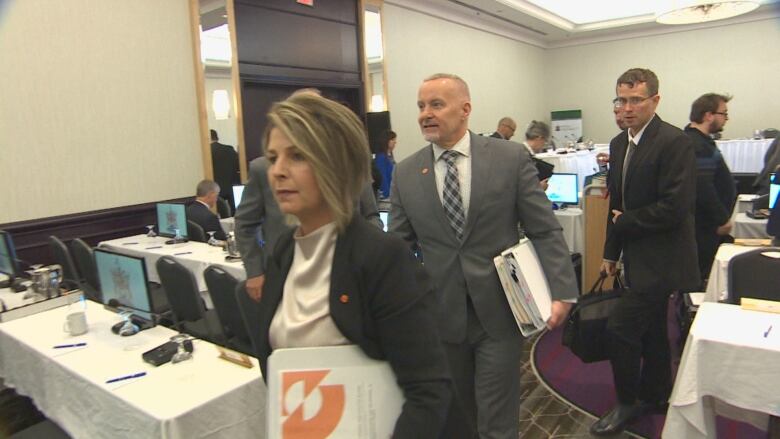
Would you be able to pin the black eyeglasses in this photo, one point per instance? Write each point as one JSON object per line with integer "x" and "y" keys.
{"x": 724, "y": 114}
{"x": 633, "y": 100}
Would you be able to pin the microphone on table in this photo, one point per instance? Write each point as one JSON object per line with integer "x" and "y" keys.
{"x": 133, "y": 323}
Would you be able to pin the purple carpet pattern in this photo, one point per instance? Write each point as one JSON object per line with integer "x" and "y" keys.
{"x": 590, "y": 387}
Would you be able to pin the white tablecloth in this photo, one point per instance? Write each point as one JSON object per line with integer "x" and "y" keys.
{"x": 203, "y": 398}
{"x": 194, "y": 255}
{"x": 10, "y": 300}
{"x": 582, "y": 163}
{"x": 717, "y": 285}
{"x": 743, "y": 204}
{"x": 728, "y": 367}
{"x": 573, "y": 222}
{"x": 746, "y": 227}
{"x": 744, "y": 156}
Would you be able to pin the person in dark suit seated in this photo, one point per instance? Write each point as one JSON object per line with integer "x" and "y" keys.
{"x": 224, "y": 162}
{"x": 200, "y": 210}
{"x": 652, "y": 197}
{"x": 336, "y": 279}
{"x": 716, "y": 192}
{"x": 536, "y": 137}
{"x": 506, "y": 129}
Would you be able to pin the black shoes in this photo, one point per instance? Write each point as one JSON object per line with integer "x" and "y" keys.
{"x": 617, "y": 419}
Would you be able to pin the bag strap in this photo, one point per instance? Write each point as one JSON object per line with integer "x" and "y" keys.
{"x": 598, "y": 286}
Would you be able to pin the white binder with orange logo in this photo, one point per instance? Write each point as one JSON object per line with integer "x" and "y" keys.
{"x": 330, "y": 392}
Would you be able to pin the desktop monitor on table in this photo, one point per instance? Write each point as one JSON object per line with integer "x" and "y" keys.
{"x": 123, "y": 281}
{"x": 8, "y": 264}
{"x": 238, "y": 191}
{"x": 384, "y": 216}
{"x": 774, "y": 189}
{"x": 562, "y": 189}
{"x": 171, "y": 216}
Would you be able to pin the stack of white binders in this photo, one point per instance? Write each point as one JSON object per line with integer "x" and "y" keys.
{"x": 525, "y": 286}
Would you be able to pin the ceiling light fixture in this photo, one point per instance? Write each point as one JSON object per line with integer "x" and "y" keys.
{"x": 700, "y": 11}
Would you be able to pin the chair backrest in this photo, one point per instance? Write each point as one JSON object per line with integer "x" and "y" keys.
{"x": 222, "y": 286}
{"x": 755, "y": 274}
{"x": 223, "y": 208}
{"x": 62, "y": 255}
{"x": 250, "y": 314}
{"x": 85, "y": 262}
{"x": 195, "y": 232}
{"x": 181, "y": 289}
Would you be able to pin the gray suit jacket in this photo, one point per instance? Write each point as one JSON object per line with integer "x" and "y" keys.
{"x": 258, "y": 209}
{"x": 504, "y": 192}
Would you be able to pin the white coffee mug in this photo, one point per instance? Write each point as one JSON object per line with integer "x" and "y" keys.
{"x": 75, "y": 323}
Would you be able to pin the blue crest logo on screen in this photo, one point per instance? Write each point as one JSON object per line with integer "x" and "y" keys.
{"x": 121, "y": 279}
{"x": 173, "y": 219}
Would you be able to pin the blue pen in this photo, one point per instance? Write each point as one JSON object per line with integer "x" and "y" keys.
{"x": 766, "y": 334}
{"x": 73, "y": 345}
{"x": 182, "y": 253}
{"x": 156, "y": 246}
{"x": 126, "y": 377}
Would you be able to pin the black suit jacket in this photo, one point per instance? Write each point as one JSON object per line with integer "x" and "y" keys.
{"x": 381, "y": 300}
{"x": 201, "y": 215}
{"x": 497, "y": 135}
{"x": 656, "y": 230}
{"x": 224, "y": 161}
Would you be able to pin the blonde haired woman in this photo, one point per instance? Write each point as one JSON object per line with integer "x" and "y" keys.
{"x": 337, "y": 280}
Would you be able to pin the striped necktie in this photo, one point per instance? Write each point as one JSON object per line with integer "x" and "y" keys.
{"x": 451, "y": 198}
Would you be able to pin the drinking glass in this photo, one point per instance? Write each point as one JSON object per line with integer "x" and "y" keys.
{"x": 150, "y": 233}
{"x": 212, "y": 240}
{"x": 129, "y": 328}
{"x": 181, "y": 353}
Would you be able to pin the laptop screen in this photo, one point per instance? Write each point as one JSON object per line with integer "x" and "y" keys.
{"x": 774, "y": 189}
{"x": 563, "y": 189}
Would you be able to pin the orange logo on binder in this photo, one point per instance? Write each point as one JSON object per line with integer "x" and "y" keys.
{"x": 302, "y": 394}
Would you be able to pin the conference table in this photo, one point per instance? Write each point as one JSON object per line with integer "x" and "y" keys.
{"x": 196, "y": 256}
{"x": 573, "y": 223}
{"x": 746, "y": 227}
{"x": 717, "y": 285}
{"x": 205, "y": 397}
{"x": 728, "y": 368}
{"x": 744, "y": 156}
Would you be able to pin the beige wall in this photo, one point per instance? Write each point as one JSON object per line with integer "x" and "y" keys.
{"x": 97, "y": 106}
{"x": 742, "y": 60}
{"x": 504, "y": 75}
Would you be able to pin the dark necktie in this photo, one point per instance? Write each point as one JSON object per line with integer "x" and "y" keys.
{"x": 629, "y": 153}
{"x": 451, "y": 198}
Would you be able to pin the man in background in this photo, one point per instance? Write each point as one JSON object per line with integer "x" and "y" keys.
{"x": 652, "y": 189}
{"x": 506, "y": 129}
{"x": 460, "y": 198}
{"x": 716, "y": 192}
{"x": 536, "y": 137}
{"x": 224, "y": 162}
{"x": 200, "y": 210}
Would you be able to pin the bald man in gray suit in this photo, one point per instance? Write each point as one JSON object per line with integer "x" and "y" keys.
{"x": 497, "y": 187}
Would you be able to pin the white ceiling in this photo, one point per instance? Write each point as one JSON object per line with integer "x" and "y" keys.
{"x": 558, "y": 23}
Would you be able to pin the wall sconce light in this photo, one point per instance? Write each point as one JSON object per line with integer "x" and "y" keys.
{"x": 220, "y": 104}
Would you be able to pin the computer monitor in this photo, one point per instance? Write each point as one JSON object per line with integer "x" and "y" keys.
{"x": 774, "y": 189}
{"x": 123, "y": 279}
{"x": 8, "y": 264}
{"x": 563, "y": 189}
{"x": 171, "y": 216}
{"x": 238, "y": 191}
{"x": 385, "y": 217}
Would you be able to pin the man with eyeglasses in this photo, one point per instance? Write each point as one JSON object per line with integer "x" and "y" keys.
{"x": 652, "y": 188}
{"x": 506, "y": 129}
{"x": 716, "y": 192}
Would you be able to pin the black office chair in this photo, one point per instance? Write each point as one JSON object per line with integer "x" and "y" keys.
{"x": 250, "y": 314}
{"x": 85, "y": 262}
{"x": 223, "y": 208}
{"x": 189, "y": 312}
{"x": 755, "y": 274}
{"x": 70, "y": 275}
{"x": 195, "y": 232}
{"x": 222, "y": 286}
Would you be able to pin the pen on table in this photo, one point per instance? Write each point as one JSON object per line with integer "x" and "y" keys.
{"x": 153, "y": 247}
{"x": 129, "y": 243}
{"x": 72, "y": 345}
{"x": 126, "y": 377}
{"x": 182, "y": 253}
{"x": 768, "y": 330}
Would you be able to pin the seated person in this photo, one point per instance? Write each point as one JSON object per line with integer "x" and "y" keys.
{"x": 536, "y": 137}
{"x": 200, "y": 211}
{"x": 337, "y": 280}
{"x": 771, "y": 164}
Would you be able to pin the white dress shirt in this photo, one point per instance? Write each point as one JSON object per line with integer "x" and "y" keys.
{"x": 463, "y": 164}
